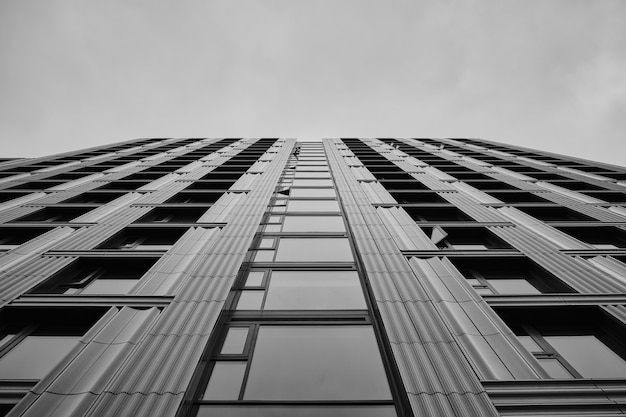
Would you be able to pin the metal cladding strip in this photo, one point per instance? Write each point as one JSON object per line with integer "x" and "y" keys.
{"x": 165, "y": 275}
{"x": 570, "y": 270}
{"x": 609, "y": 265}
{"x": 74, "y": 384}
{"x": 406, "y": 234}
{"x": 15, "y": 282}
{"x": 152, "y": 381}
{"x": 17, "y": 212}
{"x": 415, "y": 355}
{"x": 487, "y": 342}
{"x": 101, "y": 213}
{"x": 26, "y": 199}
{"x": 221, "y": 210}
{"x": 540, "y": 229}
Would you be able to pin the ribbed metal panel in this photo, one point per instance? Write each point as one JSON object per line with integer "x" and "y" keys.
{"x": 161, "y": 366}
{"x": 432, "y": 390}
{"x": 406, "y": 234}
{"x": 222, "y": 209}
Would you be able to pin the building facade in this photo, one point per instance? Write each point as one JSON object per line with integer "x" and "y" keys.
{"x": 269, "y": 277}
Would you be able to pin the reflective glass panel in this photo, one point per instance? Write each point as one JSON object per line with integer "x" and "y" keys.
{"x": 313, "y": 192}
{"x": 513, "y": 286}
{"x": 35, "y": 356}
{"x": 109, "y": 286}
{"x": 225, "y": 382}
{"x": 589, "y": 356}
{"x": 313, "y": 224}
{"x": 313, "y": 205}
{"x": 313, "y": 250}
{"x": 554, "y": 368}
{"x": 235, "y": 340}
{"x": 255, "y": 278}
{"x": 529, "y": 344}
{"x": 314, "y": 290}
{"x": 312, "y": 183}
{"x": 250, "y": 300}
{"x": 320, "y": 174}
{"x": 316, "y": 363}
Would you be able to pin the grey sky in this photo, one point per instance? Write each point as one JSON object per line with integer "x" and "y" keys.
{"x": 547, "y": 74}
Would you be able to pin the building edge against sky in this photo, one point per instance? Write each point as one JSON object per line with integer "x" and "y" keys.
{"x": 352, "y": 276}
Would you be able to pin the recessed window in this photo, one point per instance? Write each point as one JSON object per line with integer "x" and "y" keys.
{"x": 437, "y": 214}
{"x": 54, "y": 214}
{"x": 93, "y": 198}
{"x": 555, "y": 214}
{"x": 97, "y": 276}
{"x": 12, "y": 237}
{"x": 320, "y": 224}
{"x": 173, "y": 215}
{"x": 507, "y": 275}
{"x": 464, "y": 238}
{"x": 600, "y": 237}
{"x": 571, "y": 342}
{"x": 144, "y": 239}
{"x": 314, "y": 250}
{"x": 33, "y": 342}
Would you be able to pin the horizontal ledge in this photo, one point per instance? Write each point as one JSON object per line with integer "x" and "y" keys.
{"x": 553, "y": 299}
{"x": 474, "y": 253}
{"x": 41, "y": 300}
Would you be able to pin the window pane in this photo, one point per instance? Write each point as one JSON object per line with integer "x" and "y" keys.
{"x": 109, "y": 286}
{"x": 468, "y": 247}
{"x": 255, "y": 278}
{"x": 35, "y": 356}
{"x": 313, "y": 250}
{"x": 311, "y": 290}
{"x": 311, "y": 168}
{"x": 313, "y": 205}
{"x": 554, "y": 368}
{"x": 312, "y": 183}
{"x": 313, "y": 224}
{"x": 312, "y": 192}
{"x": 589, "y": 356}
{"x": 322, "y": 174}
{"x": 296, "y": 411}
{"x": 235, "y": 340}
{"x": 513, "y": 286}
{"x": 225, "y": 382}
{"x": 529, "y": 344}
{"x": 290, "y": 363}
{"x": 250, "y": 300}
{"x": 266, "y": 243}
{"x": 264, "y": 256}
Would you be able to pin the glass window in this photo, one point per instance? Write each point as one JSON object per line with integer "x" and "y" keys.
{"x": 589, "y": 356}
{"x": 314, "y": 250}
{"x": 255, "y": 278}
{"x": 314, "y": 290}
{"x": 313, "y": 192}
{"x": 225, "y": 382}
{"x": 513, "y": 286}
{"x": 235, "y": 341}
{"x": 35, "y": 356}
{"x": 311, "y": 168}
{"x": 312, "y": 183}
{"x": 109, "y": 286}
{"x": 304, "y": 174}
{"x": 316, "y": 363}
{"x": 313, "y": 205}
{"x": 313, "y": 224}
{"x": 250, "y": 300}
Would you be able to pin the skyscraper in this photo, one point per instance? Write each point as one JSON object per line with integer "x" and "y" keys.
{"x": 269, "y": 277}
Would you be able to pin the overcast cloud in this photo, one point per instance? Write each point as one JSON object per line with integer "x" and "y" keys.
{"x": 545, "y": 74}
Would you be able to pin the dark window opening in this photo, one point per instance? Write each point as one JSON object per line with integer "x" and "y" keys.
{"x": 572, "y": 342}
{"x": 555, "y": 214}
{"x": 198, "y": 197}
{"x": 514, "y": 197}
{"x": 409, "y": 197}
{"x": 173, "y": 215}
{"x": 464, "y": 238}
{"x": 601, "y": 237}
{"x": 123, "y": 185}
{"x": 437, "y": 214}
{"x": 7, "y": 196}
{"x": 97, "y": 276}
{"x": 93, "y": 198}
{"x": 11, "y": 237}
{"x": 611, "y": 197}
{"x": 54, "y": 214}
{"x": 491, "y": 185}
{"x": 508, "y": 275}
